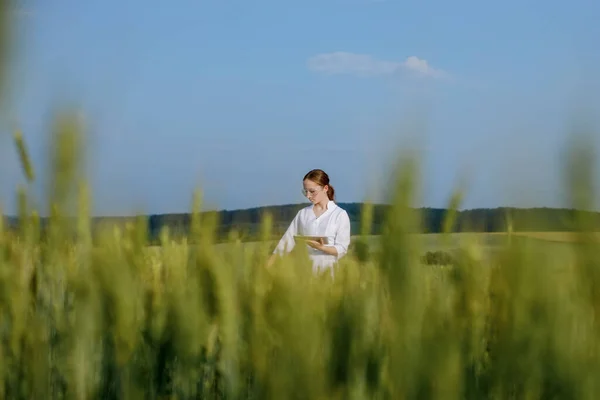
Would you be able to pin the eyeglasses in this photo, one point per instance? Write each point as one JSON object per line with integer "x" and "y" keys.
{"x": 311, "y": 192}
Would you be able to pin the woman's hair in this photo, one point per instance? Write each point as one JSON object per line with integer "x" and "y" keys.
{"x": 320, "y": 177}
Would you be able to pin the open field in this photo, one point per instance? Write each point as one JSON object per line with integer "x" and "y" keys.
{"x": 558, "y": 237}
{"x": 512, "y": 317}
{"x": 488, "y": 242}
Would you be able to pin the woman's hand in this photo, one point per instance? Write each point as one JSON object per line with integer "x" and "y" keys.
{"x": 316, "y": 244}
{"x": 320, "y": 245}
{"x": 271, "y": 260}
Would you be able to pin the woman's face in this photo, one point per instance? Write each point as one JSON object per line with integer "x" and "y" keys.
{"x": 314, "y": 192}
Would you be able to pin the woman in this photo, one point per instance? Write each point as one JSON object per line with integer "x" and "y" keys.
{"x": 322, "y": 218}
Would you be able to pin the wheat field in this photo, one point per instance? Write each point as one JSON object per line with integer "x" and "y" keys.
{"x": 99, "y": 314}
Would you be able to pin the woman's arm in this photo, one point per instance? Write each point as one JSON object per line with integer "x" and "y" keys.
{"x": 287, "y": 242}
{"x": 331, "y": 250}
{"x": 271, "y": 260}
{"x": 342, "y": 239}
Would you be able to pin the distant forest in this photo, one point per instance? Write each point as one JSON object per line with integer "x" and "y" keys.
{"x": 247, "y": 221}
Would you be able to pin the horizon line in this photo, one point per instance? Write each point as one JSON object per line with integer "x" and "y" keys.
{"x": 225, "y": 210}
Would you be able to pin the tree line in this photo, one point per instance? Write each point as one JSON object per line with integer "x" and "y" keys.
{"x": 247, "y": 222}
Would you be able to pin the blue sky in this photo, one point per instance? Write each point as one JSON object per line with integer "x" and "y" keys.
{"x": 241, "y": 98}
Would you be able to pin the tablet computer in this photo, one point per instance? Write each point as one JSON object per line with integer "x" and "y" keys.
{"x": 315, "y": 238}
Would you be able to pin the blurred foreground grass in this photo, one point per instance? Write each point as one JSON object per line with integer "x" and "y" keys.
{"x": 100, "y": 315}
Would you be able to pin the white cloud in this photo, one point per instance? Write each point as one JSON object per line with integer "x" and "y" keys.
{"x": 422, "y": 66}
{"x": 350, "y": 63}
{"x": 365, "y": 65}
